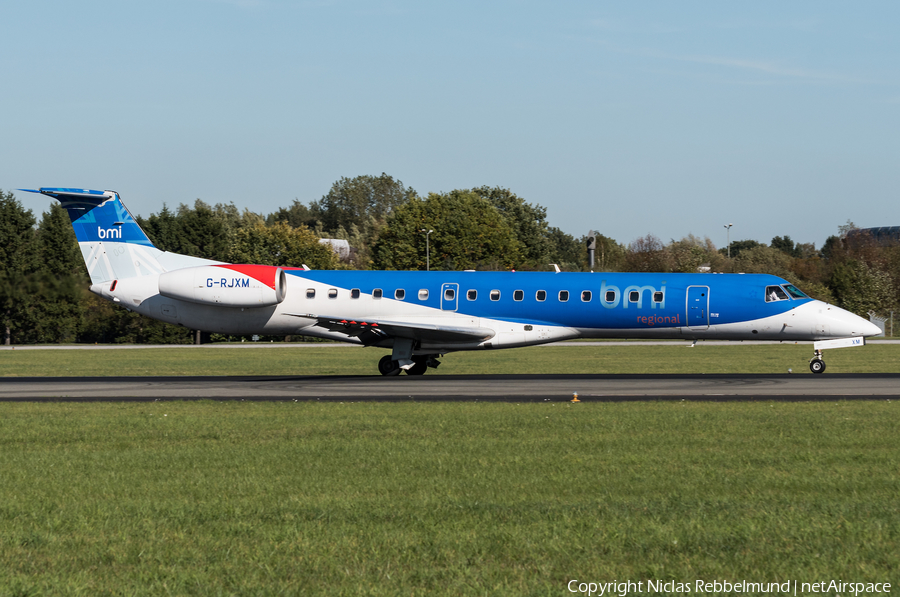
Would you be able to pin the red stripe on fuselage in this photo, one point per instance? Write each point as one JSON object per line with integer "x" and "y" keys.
{"x": 263, "y": 273}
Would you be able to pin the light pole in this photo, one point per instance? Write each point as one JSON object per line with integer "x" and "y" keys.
{"x": 427, "y": 249}
{"x": 728, "y": 237}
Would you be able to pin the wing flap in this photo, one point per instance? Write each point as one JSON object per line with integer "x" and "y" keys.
{"x": 399, "y": 329}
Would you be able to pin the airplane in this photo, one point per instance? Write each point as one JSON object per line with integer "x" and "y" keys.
{"x": 421, "y": 316}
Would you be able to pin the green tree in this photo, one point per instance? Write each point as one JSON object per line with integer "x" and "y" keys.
{"x": 528, "y": 222}
{"x": 163, "y": 230}
{"x": 205, "y": 231}
{"x": 469, "y": 233}
{"x": 280, "y": 245}
{"x": 832, "y": 245}
{"x": 786, "y": 246}
{"x": 762, "y": 259}
{"x": 565, "y": 250}
{"x": 108, "y": 323}
{"x": 817, "y": 290}
{"x": 352, "y": 201}
{"x": 810, "y": 268}
{"x": 740, "y": 245}
{"x": 861, "y": 288}
{"x": 59, "y": 250}
{"x": 609, "y": 256}
{"x": 19, "y": 263}
{"x": 647, "y": 254}
{"x": 296, "y": 215}
{"x": 202, "y": 230}
{"x": 61, "y": 278}
{"x": 18, "y": 246}
{"x": 691, "y": 252}
{"x": 855, "y": 256}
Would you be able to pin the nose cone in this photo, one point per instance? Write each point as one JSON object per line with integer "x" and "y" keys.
{"x": 844, "y": 324}
{"x": 871, "y": 330}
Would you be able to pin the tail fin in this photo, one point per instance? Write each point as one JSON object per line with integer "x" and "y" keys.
{"x": 112, "y": 243}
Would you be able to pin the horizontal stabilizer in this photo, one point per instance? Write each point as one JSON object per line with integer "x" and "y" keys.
{"x": 97, "y": 216}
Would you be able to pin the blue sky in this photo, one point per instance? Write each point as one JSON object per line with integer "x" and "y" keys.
{"x": 630, "y": 118}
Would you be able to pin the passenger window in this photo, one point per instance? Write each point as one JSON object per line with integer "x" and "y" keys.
{"x": 495, "y": 295}
{"x": 354, "y": 293}
{"x": 585, "y": 296}
{"x": 634, "y": 296}
{"x": 775, "y": 293}
{"x": 310, "y": 293}
{"x": 399, "y": 294}
{"x": 610, "y": 296}
{"x": 332, "y": 293}
{"x": 541, "y": 295}
{"x": 376, "y": 293}
{"x": 471, "y": 294}
{"x": 657, "y": 297}
{"x": 563, "y": 296}
{"x": 518, "y": 295}
{"x": 449, "y": 294}
{"x": 423, "y": 294}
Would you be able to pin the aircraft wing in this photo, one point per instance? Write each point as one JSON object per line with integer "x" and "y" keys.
{"x": 373, "y": 330}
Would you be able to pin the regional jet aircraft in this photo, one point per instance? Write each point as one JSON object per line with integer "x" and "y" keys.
{"x": 420, "y": 316}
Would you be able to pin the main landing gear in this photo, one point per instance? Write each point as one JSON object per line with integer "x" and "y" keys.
{"x": 420, "y": 364}
{"x": 816, "y": 364}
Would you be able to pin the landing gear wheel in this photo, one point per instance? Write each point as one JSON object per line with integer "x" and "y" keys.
{"x": 388, "y": 366}
{"x": 419, "y": 368}
{"x": 817, "y": 366}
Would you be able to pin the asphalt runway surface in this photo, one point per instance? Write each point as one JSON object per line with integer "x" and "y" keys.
{"x": 466, "y": 388}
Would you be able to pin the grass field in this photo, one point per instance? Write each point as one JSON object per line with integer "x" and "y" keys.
{"x": 292, "y": 498}
{"x": 312, "y": 359}
{"x": 284, "y": 498}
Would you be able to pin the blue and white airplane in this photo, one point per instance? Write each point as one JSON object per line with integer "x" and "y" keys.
{"x": 420, "y": 316}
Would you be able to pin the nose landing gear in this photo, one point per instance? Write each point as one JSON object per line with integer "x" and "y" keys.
{"x": 816, "y": 364}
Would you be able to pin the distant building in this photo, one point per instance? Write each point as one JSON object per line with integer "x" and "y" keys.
{"x": 883, "y": 235}
{"x": 340, "y": 247}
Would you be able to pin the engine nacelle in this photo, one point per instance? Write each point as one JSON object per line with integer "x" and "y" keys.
{"x": 226, "y": 285}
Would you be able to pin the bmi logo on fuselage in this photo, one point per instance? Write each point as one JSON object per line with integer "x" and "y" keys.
{"x": 611, "y": 296}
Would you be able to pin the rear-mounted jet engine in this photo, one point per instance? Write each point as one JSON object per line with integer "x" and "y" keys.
{"x": 227, "y": 286}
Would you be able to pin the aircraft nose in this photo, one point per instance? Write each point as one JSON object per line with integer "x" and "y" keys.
{"x": 871, "y": 330}
{"x": 846, "y": 324}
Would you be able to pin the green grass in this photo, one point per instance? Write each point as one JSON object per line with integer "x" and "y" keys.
{"x": 292, "y": 498}
{"x": 316, "y": 360}
{"x": 456, "y": 499}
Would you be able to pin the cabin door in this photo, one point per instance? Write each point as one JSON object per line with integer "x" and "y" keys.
{"x": 698, "y": 307}
{"x": 449, "y": 296}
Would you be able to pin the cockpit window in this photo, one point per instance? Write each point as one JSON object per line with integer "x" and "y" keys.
{"x": 775, "y": 293}
{"x": 794, "y": 291}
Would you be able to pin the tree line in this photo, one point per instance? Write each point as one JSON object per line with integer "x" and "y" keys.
{"x": 43, "y": 281}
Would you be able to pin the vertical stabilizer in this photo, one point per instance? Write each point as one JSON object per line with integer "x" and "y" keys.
{"x": 113, "y": 245}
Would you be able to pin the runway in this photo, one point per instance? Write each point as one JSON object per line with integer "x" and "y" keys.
{"x": 472, "y": 388}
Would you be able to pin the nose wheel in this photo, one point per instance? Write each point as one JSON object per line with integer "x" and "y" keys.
{"x": 816, "y": 364}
